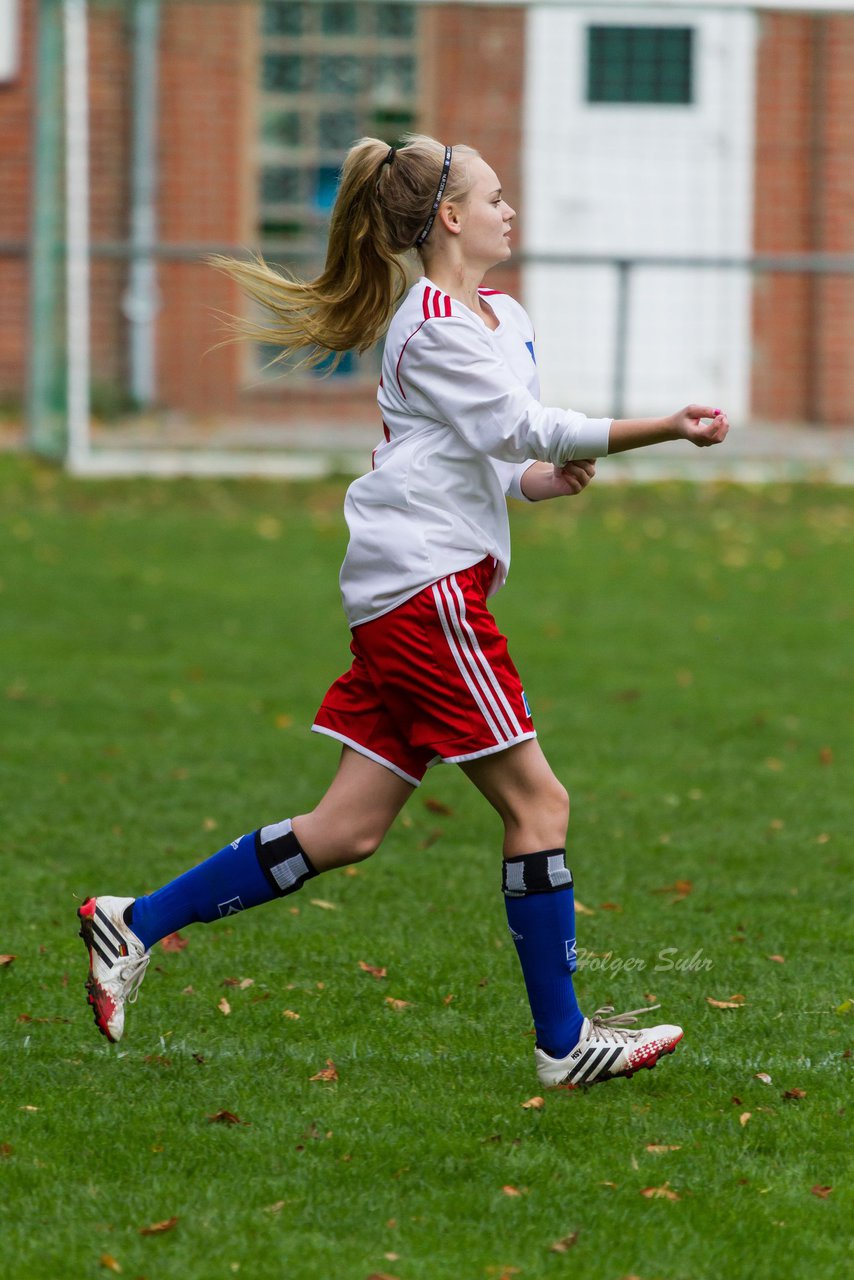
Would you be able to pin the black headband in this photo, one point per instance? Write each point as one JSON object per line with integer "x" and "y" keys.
{"x": 443, "y": 182}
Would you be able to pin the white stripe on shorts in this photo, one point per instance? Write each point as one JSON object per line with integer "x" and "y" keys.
{"x": 475, "y": 643}
{"x": 472, "y": 663}
{"x": 463, "y": 669}
{"x": 464, "y": 643}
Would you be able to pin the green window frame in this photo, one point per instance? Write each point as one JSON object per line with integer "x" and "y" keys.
{"x": 640, "y": 65}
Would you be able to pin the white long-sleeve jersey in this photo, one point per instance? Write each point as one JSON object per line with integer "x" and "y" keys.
{"x": 462, "y": 421}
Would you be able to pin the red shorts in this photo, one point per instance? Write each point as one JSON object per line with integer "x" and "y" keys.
{"x": 431, "y": 680}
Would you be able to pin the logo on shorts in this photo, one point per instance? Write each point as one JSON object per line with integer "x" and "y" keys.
{"x": 527, "y": 707}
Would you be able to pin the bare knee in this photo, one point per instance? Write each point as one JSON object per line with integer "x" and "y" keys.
{"x": 538, "y": 819}
{"x": 364, "y": 844}
{"x": 333, "y": 844}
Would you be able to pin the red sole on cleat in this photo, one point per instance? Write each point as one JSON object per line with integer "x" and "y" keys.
{"x": 86, "y": 915}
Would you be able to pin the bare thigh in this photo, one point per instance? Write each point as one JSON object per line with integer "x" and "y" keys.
{"x": 350, "y": 821}
{"x": 531, "y": 801}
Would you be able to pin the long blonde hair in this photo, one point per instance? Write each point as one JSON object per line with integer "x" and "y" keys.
{"x": 384, "y": 201}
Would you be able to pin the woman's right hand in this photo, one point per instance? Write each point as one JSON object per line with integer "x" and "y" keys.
{"x": 690, "y": 424}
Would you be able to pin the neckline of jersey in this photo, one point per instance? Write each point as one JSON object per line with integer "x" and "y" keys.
{"x": 426, "y": 280}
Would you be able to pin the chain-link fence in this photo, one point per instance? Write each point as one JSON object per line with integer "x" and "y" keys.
{"x": 683, "y": 179}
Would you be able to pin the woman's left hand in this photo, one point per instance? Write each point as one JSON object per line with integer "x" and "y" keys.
{"x": 542, "y": 480}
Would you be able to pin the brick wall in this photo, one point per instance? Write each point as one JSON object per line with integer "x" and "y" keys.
{"x": 15, "y": 144}
{"x": 474, "y": 89}
{"x": 802, "y": 368}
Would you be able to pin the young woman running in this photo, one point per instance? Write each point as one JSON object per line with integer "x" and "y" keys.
{"x": 431, "y": 678}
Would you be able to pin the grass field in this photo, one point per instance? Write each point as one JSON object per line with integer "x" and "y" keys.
{"x": 164, "y": 647}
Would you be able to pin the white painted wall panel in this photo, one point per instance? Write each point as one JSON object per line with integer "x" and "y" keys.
{"x": 630, "y": 180}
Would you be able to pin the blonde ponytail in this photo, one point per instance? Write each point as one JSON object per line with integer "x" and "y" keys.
{"x": 383, "y": 204}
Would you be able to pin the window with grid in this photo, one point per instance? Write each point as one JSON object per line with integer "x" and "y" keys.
{"x": 329, "y": 74}
{"x": 640, "y": 64}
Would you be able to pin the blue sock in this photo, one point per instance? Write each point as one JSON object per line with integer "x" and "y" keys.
{"x": 541, "y": 913}
{"x": 256, "y": 868}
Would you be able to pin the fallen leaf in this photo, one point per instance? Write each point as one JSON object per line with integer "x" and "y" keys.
{"x": 437, "y": 806}
{"x": 564, "y": 1244}
{"x": 681, "y": 888}
{"x": 6, "y": 1150}
{"x": 658, "y": 1148}
{"x": 763, "y": 1076}
{"x": 794, "y": 1093}
{"x": 734, "y": 1002}
{"x": 511, "y": 1191}
{"x": 581, "y": 910}
{"x": 743, "y": 1118}
{"x": 826, "y": 755}
{"x": 533, "y": 1104}
{"x": 374, "y": 970}
{"x": 157, "y": 1060}
{"x": 6, "y": 960}
{"x": 275, "y": 1208}
{"x": 27, "y": 1107}
{"x": 396, "y": 1004}
{"x": 663, "y": 1192}
{"x": 173, "y": 942}
{"x": 197, "y": 1058}
{"x": 448, "y": 999}
{"x": 107, "y": 1260}
{"x": 431, "y": 838}
{"x": 283, "y": 721}
{"x": 226, "y": 1117}
{"x": 351, "y": 871}
{"x": 210, "y": 824}
{"x": 329, "y": 1072}
{"x": 289, "y": 1013}
{"x": 610, "y": 906}
{"x": 775, "y": 765}
{"x": 392, "y": 1257}
{"x": 157, "y": 1228}
{"x": 777, "y": 959}
{"x": 845, "y": 1007}
{"x": 608, "y": 1184}
{"x": 821, "y": 1192}
{"x": 381, "y": 1275}
{"x": 224, "y": 1006}
{"x": 188, "y": 991}
{"x": 323, "y": 904}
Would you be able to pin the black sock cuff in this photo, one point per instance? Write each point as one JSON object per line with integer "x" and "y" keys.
{"x": 281, "y": 857}
{"x": 544, "y": 872}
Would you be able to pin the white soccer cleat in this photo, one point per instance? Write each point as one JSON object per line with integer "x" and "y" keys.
{"x": 608, "y": 1048}
{"x": 117, "y": 962}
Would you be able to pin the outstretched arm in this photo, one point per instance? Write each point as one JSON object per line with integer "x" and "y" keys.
{"x": 688, "y": 424}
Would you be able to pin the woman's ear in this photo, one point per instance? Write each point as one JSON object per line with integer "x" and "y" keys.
{"x": 449, "y": 216}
